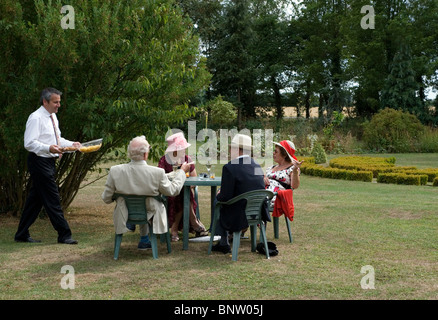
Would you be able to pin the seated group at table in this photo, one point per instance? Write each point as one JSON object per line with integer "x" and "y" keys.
{"x": 241, "y": 174}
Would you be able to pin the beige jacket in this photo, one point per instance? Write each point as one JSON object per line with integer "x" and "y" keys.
{"x": 138, "y": 178}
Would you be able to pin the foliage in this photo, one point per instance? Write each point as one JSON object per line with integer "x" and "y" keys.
{"x": 231, "y": 62}
{"x": 393, "y": 131}
{"x": 127, "y": 69}
{"x": 318, "y": 153}
{"x": 336, "y": 173}
{"x": 401, "y": 178}
{"x": 222, "y": 113}
{"x": 400, "y": 87}
{"x": 318, "y": 53}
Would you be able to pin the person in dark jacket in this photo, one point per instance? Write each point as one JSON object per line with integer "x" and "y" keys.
{"x": 240, "y": 175}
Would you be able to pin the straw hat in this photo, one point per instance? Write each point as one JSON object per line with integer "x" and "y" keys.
{"x": 242, "y": 141}
{"x": 289, "y": 147}
{"x": 177, "y": 142}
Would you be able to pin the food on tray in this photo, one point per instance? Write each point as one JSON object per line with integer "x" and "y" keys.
{"x": 67, "y": 149}
{"x": 90, "y": 148}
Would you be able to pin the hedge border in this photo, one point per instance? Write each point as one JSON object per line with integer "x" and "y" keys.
{"x": 358, "y": 168}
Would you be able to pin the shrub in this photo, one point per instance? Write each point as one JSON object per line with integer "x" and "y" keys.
{"x": 222, "y": 113}
{"x": 402, "y": 178}
{"x": 366, "y": 176}
{"x": 435, "y": 182}
{"x": 307, "y": 160}
{"x": 408, "y": 179}
{"x": 392, "y": 130}
{"x": 428, "y": 141}
{"x": 387, "y": 178}
{"x": 318, "y": 153}
{"x": 335, "y": 173}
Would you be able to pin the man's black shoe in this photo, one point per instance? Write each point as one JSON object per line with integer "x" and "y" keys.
{"x": 221, "y": 248}
{"x": 30, "y": 239}
{"x": 68, "y": 241}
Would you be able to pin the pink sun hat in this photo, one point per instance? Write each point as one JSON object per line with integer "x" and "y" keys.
{"x": 177, "y": 142}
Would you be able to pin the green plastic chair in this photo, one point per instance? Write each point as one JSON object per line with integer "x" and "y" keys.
{"x": 254, "y": 201}
{"x": 137, "y": 214}
{"x": 276, "y": 222}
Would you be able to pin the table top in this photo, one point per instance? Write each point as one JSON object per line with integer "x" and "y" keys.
{"x": 195, "y": 181}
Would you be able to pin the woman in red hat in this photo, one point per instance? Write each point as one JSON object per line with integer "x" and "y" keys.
{"x": 176, "y": 155}
{"x": 286, "y": 173}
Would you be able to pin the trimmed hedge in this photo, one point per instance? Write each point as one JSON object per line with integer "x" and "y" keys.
{"x": 307, "y": 160}
{"x": 336, "y": 173}
{"x": 359, "y": 168}
{"x": 402, "y": 178}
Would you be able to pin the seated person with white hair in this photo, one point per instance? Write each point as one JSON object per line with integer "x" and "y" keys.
{"x": 138, "y": 178}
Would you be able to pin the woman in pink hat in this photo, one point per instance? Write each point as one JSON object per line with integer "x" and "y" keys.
{"x": 175, "y": 156}
{"x": 286, "y": 173}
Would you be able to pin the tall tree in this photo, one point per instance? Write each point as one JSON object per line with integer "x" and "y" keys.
{"x": 126, "y": 69}
{"x": 231, "y": 61}
{"x": 272, "y": 50}
{"x": 400, "y": 90}
{"x": 320, "y": 58}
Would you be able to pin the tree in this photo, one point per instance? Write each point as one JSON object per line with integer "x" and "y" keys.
{"x": 319, "y": 56}
{"x": 370, "y": 52}
{"x": 271, "y": 50}
{"x": 400, "y": 91}
{"x": 231, "y": 61}
{"x": 126, "y": 69}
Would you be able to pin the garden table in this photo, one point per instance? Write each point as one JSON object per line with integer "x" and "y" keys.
{"x": 196, "y": 181}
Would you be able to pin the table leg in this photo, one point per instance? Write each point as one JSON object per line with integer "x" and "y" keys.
{"x": 186, "y": 219}
{"x": 212, "y": 201}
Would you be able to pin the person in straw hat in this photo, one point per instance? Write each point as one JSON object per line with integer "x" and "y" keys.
{"x": 286, "y": 173}
{"x": 175, "y": 156}
{"x": 240, "y": 175}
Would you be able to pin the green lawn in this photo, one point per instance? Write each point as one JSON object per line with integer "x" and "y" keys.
{"x": 339, "y": 227}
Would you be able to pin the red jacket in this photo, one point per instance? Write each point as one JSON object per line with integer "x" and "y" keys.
{"x": 284, "y": 204}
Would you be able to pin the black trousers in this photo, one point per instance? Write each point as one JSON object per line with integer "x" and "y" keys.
{"x": 43, "y": 192}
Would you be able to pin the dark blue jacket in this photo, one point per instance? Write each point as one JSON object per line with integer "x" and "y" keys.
{"x": 239, "y": 176}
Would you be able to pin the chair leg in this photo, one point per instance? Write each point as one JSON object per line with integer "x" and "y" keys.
{"x": 288, "y": 229}
{"x": 263, "y": 237}
{"x": 117, "y": 243}
{"x": 275, "y": 223}
{"x": 236, "y": 243}
{"x": 153, "y": 238}
{"x": 253, "y": 229}
{"x": 169, "y": 247}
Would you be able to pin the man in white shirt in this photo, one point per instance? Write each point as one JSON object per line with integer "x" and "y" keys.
{"x": 139, "y": 178}
{"x": 42, "y": 139}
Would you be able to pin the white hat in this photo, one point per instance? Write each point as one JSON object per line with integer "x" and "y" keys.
{"x": 242, "y": 141}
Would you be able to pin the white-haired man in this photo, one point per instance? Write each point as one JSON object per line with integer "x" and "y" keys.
{"x": 138, "y": 178}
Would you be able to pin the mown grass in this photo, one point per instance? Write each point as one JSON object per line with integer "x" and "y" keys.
{"x": 339, "y": 227}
